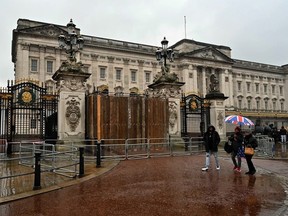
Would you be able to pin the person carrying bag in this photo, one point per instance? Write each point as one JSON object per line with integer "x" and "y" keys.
{"x": 250, "y": 143}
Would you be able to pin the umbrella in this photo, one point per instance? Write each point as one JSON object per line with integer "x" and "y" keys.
{"x": 239, "y": 120}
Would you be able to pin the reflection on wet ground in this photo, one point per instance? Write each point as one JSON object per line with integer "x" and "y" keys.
{"x": 165, "y": 186}
{"x": 157, "y": 186}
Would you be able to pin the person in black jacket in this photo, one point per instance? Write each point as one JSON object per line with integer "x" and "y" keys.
{"x": 250, "y": 141}
{"x": 283, "y": 134}
{"x": 236, "y": 139}
{"x": 211, "y": 141}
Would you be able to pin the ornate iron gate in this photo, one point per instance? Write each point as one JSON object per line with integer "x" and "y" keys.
{"x": 194, "y": 115}
{"x": 27, "y": 113}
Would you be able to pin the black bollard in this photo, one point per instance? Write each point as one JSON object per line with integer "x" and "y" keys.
{"x": 81, "y": 162}
{"x": 37, "y": 172}
{"x": 98, "y": 154}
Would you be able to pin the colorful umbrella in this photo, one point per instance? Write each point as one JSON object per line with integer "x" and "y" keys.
{"x": 238, "y": 120}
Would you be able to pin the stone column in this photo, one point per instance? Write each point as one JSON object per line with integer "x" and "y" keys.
{"x": 222, "y": 86}
{"x": 195, "y": 75}
{"x": 125, "y": 74}
{"x": 42, "y": 65}
{"x": 71, "y": 85}
{"x": 140, "y": 74}
{"x": 230, "y": 77}
{"x": 204, "y": 81}
{"x": 110, "y": 72}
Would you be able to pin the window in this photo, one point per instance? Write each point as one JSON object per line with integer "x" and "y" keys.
{"x": 257, "y": 104}
{"x": 191, "y": 75}
{"x": 226, "y": 79}
{"x": 281, "y": 90}
{"x": 274, "y": 105}
{"x": 266, "y": 105}
{"x": 133, "y": 76}
{"x": 265, "y": 88}
{"x": 147, "y": 77}
{"x": 49, "y": 68}
{"x": 248, "y": 87}
{"x": 34, "y": 65}
{"x": 240, "y": 104}
{"x": 102, "y": 73}
{"x": 239, "y": 86}
{"x": 282, "y": 106}
{"x": 257, "y": 87}
{"x": 273, "y": 89}
{"x": 118, "y": 74}
{"x": 249, "y": 104}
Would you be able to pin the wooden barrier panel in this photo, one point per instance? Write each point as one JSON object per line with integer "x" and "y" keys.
{"x": 120, "y": 117}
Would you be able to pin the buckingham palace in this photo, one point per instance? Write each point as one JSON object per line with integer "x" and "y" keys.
{"x": 255, "y": 90}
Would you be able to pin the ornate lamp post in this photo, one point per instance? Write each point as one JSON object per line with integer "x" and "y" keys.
{"x": 72, "y": 42}
{"x": 164, "y": 53}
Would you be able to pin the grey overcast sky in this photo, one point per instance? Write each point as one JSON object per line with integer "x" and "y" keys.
{"x": 255, "y": 30}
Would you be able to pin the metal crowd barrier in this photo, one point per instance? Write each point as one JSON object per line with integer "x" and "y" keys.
{"x": 138, "y": 148}
{"x": 266, "y": 146}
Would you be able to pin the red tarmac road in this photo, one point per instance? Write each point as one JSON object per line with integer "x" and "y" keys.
{"x": 166, "y": 186}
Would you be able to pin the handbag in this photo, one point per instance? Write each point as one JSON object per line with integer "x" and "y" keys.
{"x": 249, "y": 151}
{"x": 228, "y": 147}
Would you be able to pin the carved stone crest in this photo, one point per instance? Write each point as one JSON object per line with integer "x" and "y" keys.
{"x": 73, "y": 114}
{"x": 220, "y": 119}
{"x": 172, "y": 114}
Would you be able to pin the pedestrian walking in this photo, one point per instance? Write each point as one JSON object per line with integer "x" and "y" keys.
{"x": 211, "y": 141}
{"x": 283, "y": 134}
{"x": 236, "y": 140}
{"x": 250, "y": 141}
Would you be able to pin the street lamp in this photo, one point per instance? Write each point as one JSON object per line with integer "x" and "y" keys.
{"x": 72, "y": 42}
{"x": 164, "y": 53}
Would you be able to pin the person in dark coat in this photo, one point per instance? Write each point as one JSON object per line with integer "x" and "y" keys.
{"x": 236, "y": 140}
{"x": 283, "y": 134}
{"x": 211, "y": 141}
{"x": 250, "y": 141}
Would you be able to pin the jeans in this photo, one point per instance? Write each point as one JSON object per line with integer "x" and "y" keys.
{"x": 233, "y": 155}
{"x": 250, "y": 163}
{"x": 283, "y": 138}
{"x": 207, "y": 162}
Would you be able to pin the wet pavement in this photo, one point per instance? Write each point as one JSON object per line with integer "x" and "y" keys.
{"x": 166, "y": 186}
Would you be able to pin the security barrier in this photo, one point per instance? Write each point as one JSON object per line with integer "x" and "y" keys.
{"x": 266, "y": 146}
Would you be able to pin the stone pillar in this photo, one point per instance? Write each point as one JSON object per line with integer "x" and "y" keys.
{"x": 166, "y": 85}
{"x": 217, "y": 114}
{"x": 71, "y": 85}
{"x": 171, "y": 91}
{"x": 217, "y": 107}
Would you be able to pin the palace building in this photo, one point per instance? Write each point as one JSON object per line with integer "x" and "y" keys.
{"x": 255, "y": 90}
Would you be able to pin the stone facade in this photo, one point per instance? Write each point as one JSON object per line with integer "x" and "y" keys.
{"x": 256, "y": 90}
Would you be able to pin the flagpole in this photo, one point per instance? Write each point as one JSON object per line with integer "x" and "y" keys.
{"x": 185, "y": 25}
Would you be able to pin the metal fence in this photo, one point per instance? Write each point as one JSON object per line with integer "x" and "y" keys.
{"x": 138, "y": 148}
{"x": 35, "y": 159}
{"x": 266, "y": 146}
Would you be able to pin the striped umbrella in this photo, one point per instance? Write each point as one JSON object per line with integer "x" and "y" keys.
{"x": 238, "y": 120}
